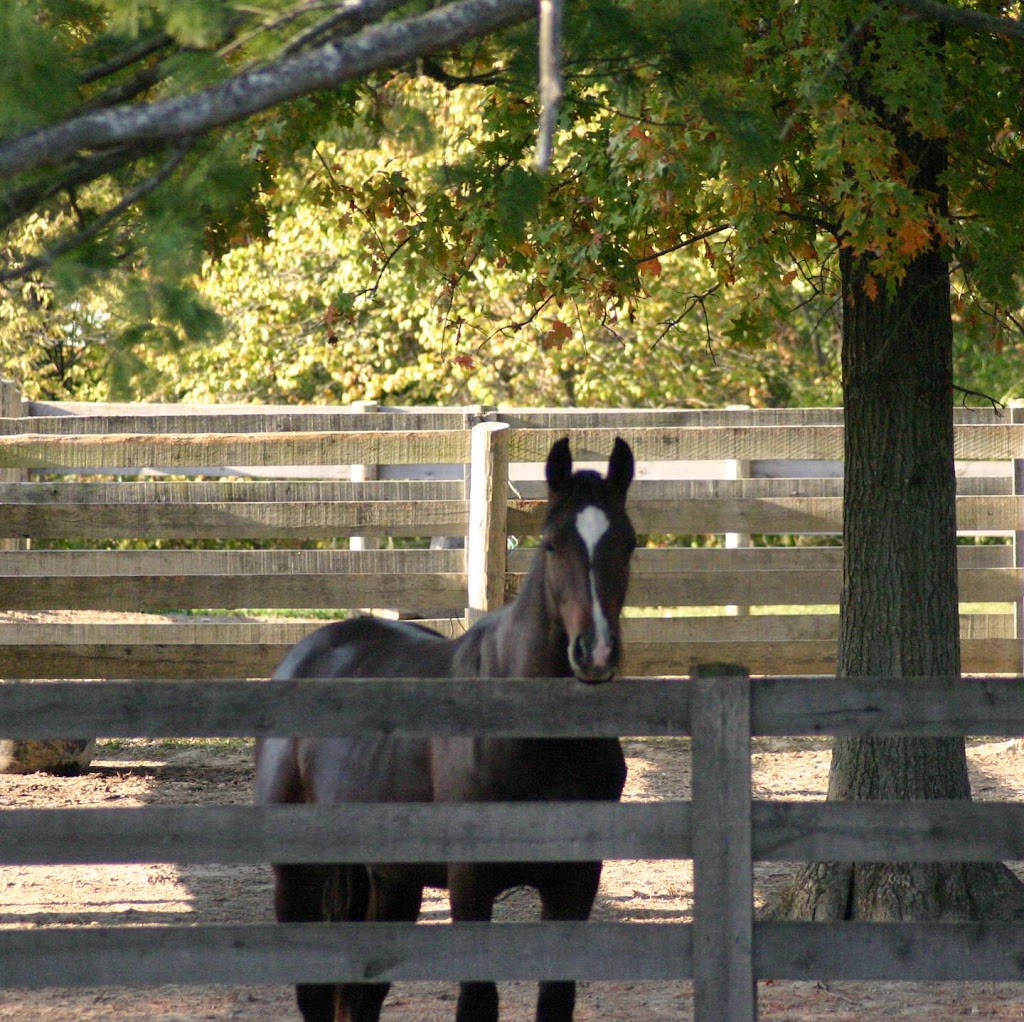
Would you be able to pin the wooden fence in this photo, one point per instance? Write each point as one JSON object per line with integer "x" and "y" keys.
{"x": 724, "y": 951}
{"x": 105, "y": 476}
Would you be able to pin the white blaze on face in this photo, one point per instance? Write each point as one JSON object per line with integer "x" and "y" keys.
{"x": 592, "y": 523}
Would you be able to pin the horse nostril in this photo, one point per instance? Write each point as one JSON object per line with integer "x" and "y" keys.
{"x": 614, "y": 650}
{"x": 580, "y": 653}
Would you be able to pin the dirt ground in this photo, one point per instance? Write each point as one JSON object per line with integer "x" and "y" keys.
{"x": 144, "y": 773}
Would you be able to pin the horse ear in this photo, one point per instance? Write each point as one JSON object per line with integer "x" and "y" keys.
{"x": 620, "y": 467}
{"x": 559, "y": 467}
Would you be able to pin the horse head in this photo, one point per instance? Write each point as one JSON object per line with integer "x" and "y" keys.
{"x": 588, "y": 540}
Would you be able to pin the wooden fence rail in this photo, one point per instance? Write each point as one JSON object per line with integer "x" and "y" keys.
{"x": 723, "y": 951}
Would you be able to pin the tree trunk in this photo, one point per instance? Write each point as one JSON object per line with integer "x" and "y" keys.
{"x": 899, "y": 614}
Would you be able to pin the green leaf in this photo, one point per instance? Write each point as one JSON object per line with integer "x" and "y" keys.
{"x": 517, "y": 202}
{"x": 196, "y": 22}
{"x": 37, "y": 83}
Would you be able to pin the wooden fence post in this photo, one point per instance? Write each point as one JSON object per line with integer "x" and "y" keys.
{"x": 724, "y": 988}
{"x": 363, "y": 474}
{"x": 1017, "y": 416}
{"x": 737, "y": 469}
{"x": 486, "y": 541}
{"x": 12, "y": 406}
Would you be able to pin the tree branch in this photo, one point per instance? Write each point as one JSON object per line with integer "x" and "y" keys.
{"x": 387, "y": 45}
{"x": 685, "y": 243}
{"x": 550, "y": 88}
{"x": 962, "y": 17}
{"x": 351, "y": 17}
{"x": 126, "y": 58}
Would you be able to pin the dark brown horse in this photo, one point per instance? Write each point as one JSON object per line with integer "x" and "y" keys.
{"x": 564, "y": 622}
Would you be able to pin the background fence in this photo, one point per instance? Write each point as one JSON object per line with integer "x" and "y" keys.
{"x": 760, "y": 490}
{"x": 105, "y": 479}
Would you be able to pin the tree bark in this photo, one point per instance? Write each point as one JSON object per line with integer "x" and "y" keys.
{"x": 899, "y": 616}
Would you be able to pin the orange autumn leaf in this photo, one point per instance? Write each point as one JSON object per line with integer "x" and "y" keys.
{"x": 651, "y": 267}
{"x": 871, "y": 288}
{"x": 557, "y": 335}
{"x": 914, "y": 236}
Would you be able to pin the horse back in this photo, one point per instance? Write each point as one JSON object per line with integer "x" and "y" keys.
{"x": 353, "y": 768}
{"x": 366, "y": 647}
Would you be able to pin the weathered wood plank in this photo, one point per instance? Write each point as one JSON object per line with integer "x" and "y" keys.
{"x": 1002, "y": 442}
{"x": 427, "y": 414}
{"x": 778, "y": 588}
{"x": 342, "y": 952}
{"x": 177, "y": 592}
{"x": 753, "y": 560}
{"x": 358, "y": 832}
{"x": 507, "y": 707}
{"x": 723, "y": 887}
{"x": 797, "y": 657}
{"x": 147, "y": 660}
{"x": 619, "y": 418}
{"x": 865, "y": 706}
{"x": 535, "y": 417}
{"x": 686, "y": 443}
{"x": 167, "y": 632}
{"x": 793, "y": 442}
{"x": 228, "y": 491}
{"x": 195, "y": 450}
{"x": 270, "y": 520}
{"x": 664, "y": 484}
{"x": 234, "y": 708}
{"x": 215, "y": 419}
{"x": 121, "y": 563}
{"x": 889, "y": 951}
{"x": 770, "y": 515}
{"x": 927, "y": 831}
{"x": 776, "y": 628}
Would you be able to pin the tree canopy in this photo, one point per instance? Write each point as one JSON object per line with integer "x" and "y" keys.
{"x": 372, "y": 220}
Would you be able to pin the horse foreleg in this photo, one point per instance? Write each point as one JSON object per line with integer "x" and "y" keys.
{"x": 471, "y": 896}
{"x": 568, "y": 897}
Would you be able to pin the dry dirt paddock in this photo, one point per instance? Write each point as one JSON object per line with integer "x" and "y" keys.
{"x": 145, "y": 773}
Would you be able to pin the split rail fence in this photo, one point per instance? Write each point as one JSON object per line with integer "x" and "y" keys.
{"x": 362, "y": 484}
{"x": 198, "y": 679}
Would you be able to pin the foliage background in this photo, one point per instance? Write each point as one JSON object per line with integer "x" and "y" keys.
{"x": 389, "y": 240}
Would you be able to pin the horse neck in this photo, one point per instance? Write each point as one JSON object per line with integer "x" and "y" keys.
{"x": 524, "y": 640}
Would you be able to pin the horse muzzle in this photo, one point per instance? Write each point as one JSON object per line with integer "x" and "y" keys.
{"x": 594, "y": 659}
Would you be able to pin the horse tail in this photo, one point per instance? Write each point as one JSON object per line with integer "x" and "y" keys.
{"x": 346, "y": 894}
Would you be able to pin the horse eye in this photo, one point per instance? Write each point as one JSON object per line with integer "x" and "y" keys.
{"x": 549, "y": 546}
